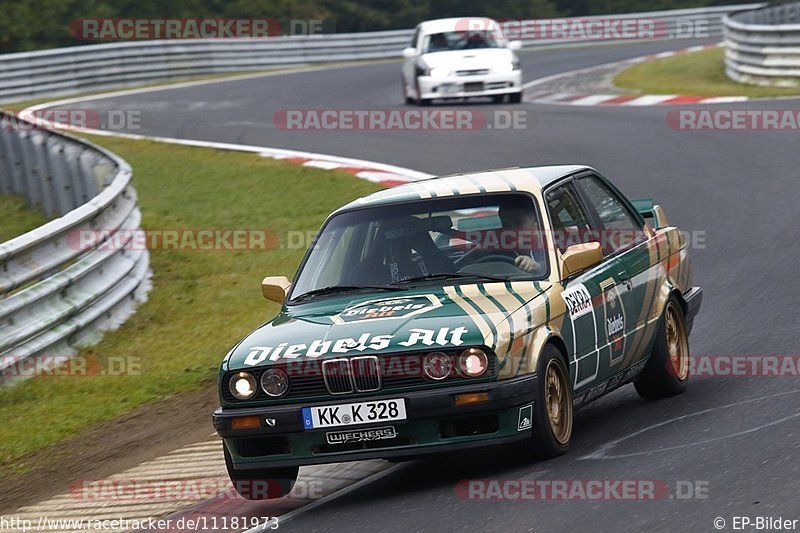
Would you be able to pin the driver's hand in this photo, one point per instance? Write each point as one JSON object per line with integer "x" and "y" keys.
{"x": 527, "y": 263}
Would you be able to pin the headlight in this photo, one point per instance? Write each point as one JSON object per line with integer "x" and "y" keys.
{"x": 504, "y": 68}
{"x": 242, "y": 385}
{"x": 437, "y": 366}
{"x": 472, "y": 363}
{"x": 440, "y": 72}
{"x": 275, "y": 382}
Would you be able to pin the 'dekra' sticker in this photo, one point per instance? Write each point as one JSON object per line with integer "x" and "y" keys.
{"x": 578, "y": 300}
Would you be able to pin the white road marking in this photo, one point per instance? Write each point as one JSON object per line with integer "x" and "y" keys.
{"x": 602, "y": 452}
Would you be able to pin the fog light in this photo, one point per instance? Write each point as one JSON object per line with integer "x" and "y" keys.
{"x": 437, "y": 366}
{"x": 472, "y": 363}
{"x": 242, "y": 385}
{"x": 275, "y": 382}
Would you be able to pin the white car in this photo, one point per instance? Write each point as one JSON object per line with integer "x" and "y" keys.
{"x": 459, "y": 58}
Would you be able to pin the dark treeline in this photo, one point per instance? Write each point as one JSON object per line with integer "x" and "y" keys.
{"x": 34, "y": 24}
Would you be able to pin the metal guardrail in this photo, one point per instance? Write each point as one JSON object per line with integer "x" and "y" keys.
{"x": 56, "y": 293}
{"x": 102, "y": 66}
{"x": 762, "y": 47}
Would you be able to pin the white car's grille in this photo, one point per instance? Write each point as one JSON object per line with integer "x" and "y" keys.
{"x": 476, "y": 72}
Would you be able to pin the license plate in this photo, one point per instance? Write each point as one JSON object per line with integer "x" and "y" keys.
{"x": 352, "y": 414}
{"x": 473, "y": 87}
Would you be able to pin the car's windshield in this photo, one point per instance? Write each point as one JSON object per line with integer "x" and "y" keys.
{"x": 443, "y": 240}
{"x": 462, "y": 40}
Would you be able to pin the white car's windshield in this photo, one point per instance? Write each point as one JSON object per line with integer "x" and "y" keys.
{"x": 461, "y": 40}
{"x": 492, "y": 236}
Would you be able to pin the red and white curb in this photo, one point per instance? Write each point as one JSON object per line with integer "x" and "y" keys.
{"x": 628, "y": 100}
{"x": 633, "y": 100}
{"x": 381, "y": 173}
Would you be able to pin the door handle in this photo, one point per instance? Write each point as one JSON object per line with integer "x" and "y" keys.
{"x": 625, "y": 278}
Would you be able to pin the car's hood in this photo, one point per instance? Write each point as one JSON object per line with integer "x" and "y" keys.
{"x": 479, "y": 58}
{"x": 423, "y": 319}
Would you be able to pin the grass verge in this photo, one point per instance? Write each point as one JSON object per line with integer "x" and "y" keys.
{"x": 17, "y": 217}
{"x": 692, "y": 74}
{"x": 202, "y": 302}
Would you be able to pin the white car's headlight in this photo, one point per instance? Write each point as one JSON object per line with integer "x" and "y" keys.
{"x": 504, "y": 68}
{"x": 440, "y": 72}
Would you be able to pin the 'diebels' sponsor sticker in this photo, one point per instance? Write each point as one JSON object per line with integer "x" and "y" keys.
{"x": 387, "y": 308}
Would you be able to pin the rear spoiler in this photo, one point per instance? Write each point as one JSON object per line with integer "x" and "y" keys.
{"x": 653, "y": 213}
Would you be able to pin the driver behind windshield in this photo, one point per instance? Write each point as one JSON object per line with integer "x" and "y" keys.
{"x": 523, "y": 223}
{"x": 438, "y": 43}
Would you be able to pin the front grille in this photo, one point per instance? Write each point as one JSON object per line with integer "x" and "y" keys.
{"x": 338, "y": 376}
{"x": 366, "y": 373}
{"x": 475, "y": 72}
{"x": 384, "y": 373}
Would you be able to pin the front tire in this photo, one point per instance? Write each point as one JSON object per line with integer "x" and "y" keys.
{"x": 515, "y": 98}
{"x": 667, "y": 372}
{"x": 552, "y": 409}
{"x": 261, "y": 483}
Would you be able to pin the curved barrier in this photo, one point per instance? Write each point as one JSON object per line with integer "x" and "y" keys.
{"x": 762, "y": 47}
{"x": 102, "y": 66}
{"x": 58, "y": 288}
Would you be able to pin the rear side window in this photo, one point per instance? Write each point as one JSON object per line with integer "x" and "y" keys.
{"x": 621, "y": 228}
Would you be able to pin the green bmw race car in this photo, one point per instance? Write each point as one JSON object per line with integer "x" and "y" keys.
{"x": 455, "y": 312}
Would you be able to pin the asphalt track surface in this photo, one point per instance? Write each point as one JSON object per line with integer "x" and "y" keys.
{"x": 738, "y": 436}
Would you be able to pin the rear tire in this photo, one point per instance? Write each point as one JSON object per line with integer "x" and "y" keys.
{"x": 667, "y": 372}
{"x": 552, "y": 409}
{"x": 261, "y": 483}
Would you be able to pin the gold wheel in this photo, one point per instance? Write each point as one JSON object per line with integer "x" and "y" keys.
{"x": 558, "y": 402}
{"x": 677, "y": 343}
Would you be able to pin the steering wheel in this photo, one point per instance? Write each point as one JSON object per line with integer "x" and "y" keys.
{"x": 491, "y": 258}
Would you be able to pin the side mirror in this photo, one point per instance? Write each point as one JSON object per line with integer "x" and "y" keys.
{"x": 514, "y": 45}
{"x": 580, "y": 257}
{"x": 275, "y": 288}
{"x": 409, "y": 52}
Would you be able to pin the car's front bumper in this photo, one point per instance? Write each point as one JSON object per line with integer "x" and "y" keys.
{"x": 467, "y": 86}
{"x": 434, "y": 424}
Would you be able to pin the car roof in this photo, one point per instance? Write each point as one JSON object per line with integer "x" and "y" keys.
{"x": 500, "y": 180}
{"x": 452, "y": 24}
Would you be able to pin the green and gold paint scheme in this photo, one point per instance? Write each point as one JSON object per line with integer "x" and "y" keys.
{"x": 603, "y": 321}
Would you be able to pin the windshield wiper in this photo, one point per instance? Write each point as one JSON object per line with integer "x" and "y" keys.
{"x": 454, "y": 275}
{"x": 342, "y": 288}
